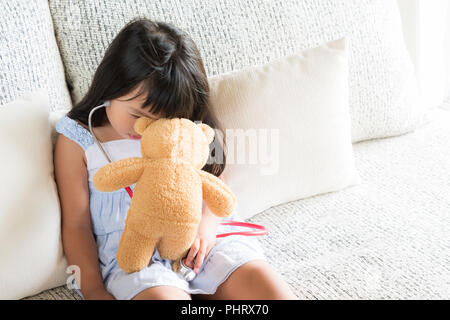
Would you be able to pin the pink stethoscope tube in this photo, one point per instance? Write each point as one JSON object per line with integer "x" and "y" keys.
{"x": 258, "y": 229}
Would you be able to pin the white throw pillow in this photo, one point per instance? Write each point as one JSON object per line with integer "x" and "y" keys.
{"x": 299, "y": 105}
{"x": 31, "y": 252}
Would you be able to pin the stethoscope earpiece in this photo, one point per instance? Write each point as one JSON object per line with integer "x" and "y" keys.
{"x": 107, "y": 103}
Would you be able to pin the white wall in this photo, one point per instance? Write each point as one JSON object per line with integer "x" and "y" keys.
{"x": 426, "y": 29}
{"x": 409, "y": 11}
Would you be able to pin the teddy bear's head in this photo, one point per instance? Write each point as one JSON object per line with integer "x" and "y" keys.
{"x": 178, "y": 138}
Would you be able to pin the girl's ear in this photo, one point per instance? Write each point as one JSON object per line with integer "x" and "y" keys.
{"x": 207, "y": 131}
{"x": 141, "y": 124}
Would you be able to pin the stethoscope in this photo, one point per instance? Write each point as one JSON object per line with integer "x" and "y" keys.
{"x": 186, "y": 272}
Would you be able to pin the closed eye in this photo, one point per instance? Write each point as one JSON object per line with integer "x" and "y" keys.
{"x": 141, "y": 115}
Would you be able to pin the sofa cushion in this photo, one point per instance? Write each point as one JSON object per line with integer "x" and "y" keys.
{"x": 58, "y": 293}
{"x": 288, "y": 128}
{"x": 29, "y": 55}
{"x": 383, "y": 239}
{"x": 234, "y": 34}
{"x": 31, "y": 252}
{"x": 386, "y": 238}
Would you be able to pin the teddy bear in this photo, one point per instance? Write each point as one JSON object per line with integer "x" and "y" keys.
{"x": 166, "y": 207}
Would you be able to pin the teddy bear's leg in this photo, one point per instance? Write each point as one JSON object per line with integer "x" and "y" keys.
{"x": 135, "y": 251}
{"x": 176, "y": 266}
{"x": 177, "y": 245}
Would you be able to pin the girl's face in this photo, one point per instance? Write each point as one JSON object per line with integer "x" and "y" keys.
{"x": 123, "y": 114}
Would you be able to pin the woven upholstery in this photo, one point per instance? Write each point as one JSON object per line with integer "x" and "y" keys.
{"x": 233, "y": 34}
{"x": 29, "y": 55}
{"x": 384, "y": 239}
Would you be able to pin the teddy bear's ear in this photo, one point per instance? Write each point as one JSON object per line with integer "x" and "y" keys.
{"x": 207, "y": 131}
{"x": 141, "y": 124}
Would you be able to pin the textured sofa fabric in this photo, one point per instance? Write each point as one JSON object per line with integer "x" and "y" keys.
{"x": 387, "y": 238}
{"x": 384, "y": 239}
{"x": 59, "y": 293}
{"x": 233, "y": 34}
{"x": 29, "y": 55}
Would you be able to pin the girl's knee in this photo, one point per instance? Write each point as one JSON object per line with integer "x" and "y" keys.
{"x": 162, "y": 293}
{"x": 256, "y": 269}
{"x": 267, "y": 280}
{"x": 264, "y": 282}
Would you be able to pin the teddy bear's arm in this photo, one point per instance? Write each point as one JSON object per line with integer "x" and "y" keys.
{"x": 217, "y": 196}
{"x": 119, "y": 174}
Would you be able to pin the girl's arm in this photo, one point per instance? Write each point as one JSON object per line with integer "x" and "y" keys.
{"x": 209, "y": 218}
{"x": 216, "y": 194}
{"x": 79, "y": 244}
{"x": 206, "y": 238}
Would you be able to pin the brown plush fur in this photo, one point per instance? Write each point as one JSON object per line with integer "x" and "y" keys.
{"x": 170, "y": 186}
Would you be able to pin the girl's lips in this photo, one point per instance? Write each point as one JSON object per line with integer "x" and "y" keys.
{"x": 134, "y": 137}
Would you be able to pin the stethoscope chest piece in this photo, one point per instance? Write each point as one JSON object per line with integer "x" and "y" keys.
{"x": 187, "y": 273}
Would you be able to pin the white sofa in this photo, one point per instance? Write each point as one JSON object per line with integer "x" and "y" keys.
{"x": 386, "y": 238}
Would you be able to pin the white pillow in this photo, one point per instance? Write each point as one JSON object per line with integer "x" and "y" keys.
{"x": 31, "y": 252}
{"x": 304, "y": 98}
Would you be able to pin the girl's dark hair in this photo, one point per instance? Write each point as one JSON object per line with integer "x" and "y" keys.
{"x": 167, "y": 66}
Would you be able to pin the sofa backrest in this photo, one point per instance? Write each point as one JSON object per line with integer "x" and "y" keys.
{"x": 29, "y": 55}
{"x": 231, "y": 34}
{"x": 234, "y": 34}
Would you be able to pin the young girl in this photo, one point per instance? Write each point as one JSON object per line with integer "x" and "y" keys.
{"x": 150, "y": 69}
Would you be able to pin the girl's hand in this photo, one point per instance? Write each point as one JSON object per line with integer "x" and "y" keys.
{"x": 203, "y": 243}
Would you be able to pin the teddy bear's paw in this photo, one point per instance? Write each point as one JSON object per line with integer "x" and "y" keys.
{"x": 176, "y": 266}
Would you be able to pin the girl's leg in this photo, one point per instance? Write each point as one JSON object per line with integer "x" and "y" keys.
{"x": 130, "y": 257}
{"x": 255, "y": 279}
{"x": 162, "y": 293}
